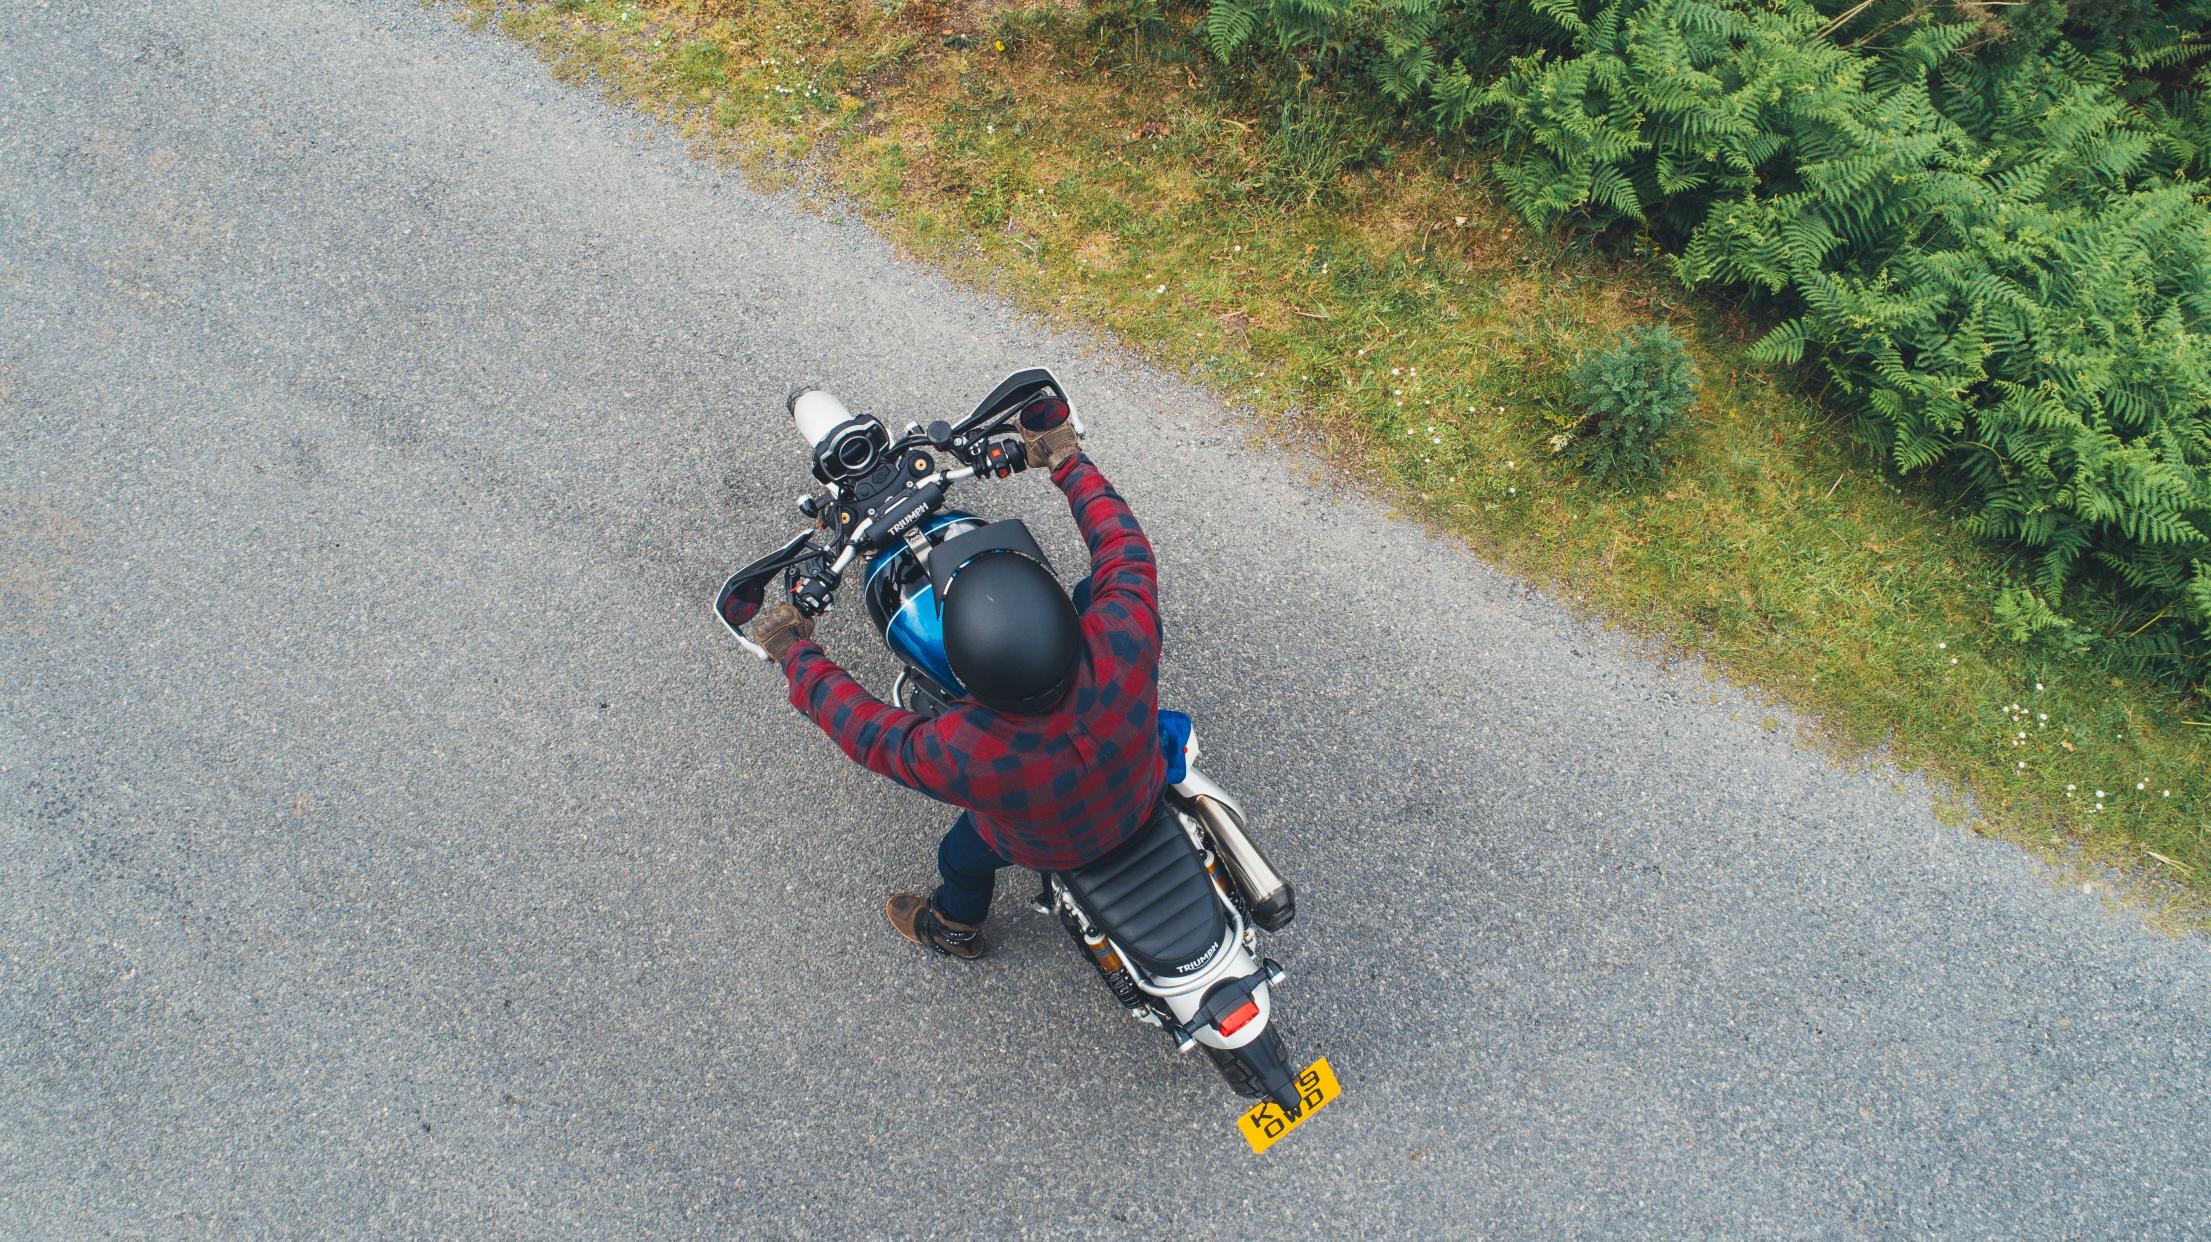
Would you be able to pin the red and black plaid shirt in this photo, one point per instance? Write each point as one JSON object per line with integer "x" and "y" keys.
{"x": 1049, "y": 792}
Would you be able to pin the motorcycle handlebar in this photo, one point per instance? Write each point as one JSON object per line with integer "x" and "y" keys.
{"x": 812, "y": 593}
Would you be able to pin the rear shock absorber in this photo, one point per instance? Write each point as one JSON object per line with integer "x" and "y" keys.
{"x": 1109, "y": 965}
{"x": 1235, "y": 895}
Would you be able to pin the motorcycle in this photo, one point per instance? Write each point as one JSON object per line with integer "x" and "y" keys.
{"x": 1170, "y": 918}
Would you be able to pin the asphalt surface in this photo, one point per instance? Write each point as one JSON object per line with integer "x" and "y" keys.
{"x": 391, "y": 844}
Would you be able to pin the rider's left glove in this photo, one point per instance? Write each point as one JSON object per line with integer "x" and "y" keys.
{"x": 779, "y": 627}
{"x": 1047, "y": 433}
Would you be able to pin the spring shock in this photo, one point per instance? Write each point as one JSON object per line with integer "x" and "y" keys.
{"x": 1228, "y": 889}
{"x": 1109, "y": 965}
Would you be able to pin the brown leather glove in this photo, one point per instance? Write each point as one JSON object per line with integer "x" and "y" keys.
{"x": 779, "y": 627}
{"x": 1048, "y": 433}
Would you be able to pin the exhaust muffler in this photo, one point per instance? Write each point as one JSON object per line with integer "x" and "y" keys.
{"x": 1273, "y": 902}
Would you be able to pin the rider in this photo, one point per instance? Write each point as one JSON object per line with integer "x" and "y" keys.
{"x": 1055, "y": 756}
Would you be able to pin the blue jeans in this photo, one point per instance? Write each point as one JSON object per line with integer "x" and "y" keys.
{"x": 970, "y": 869}
{"x": 968, "y": 866}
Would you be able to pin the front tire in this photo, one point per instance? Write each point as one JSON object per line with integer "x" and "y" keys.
{"x": 1260, "y": 1070}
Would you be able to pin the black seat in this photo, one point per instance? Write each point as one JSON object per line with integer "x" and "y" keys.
{"x": 1153, "y": 897}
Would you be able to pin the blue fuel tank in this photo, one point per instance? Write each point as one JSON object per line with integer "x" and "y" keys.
{"x": 902, "y": 602}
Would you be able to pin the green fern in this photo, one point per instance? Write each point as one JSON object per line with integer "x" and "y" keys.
{"x": 1229, "y": 24}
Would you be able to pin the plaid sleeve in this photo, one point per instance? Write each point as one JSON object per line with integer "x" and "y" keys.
{"x": 886, "y": 740}
{"x": 1124, "y": 581}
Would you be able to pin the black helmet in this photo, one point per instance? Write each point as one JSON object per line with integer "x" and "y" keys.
{"x": 1010, "y": 630}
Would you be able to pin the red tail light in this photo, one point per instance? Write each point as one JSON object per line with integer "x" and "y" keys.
{"x": 1238, "y": 1016}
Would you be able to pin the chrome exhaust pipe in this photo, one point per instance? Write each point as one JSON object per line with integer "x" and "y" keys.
{"x": 1273, "y": 902}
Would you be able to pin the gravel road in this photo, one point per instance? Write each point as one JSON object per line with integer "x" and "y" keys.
{"x": 390, "y": 843}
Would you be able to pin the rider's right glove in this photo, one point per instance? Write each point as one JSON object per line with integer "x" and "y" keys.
{"x": 779, "y": 627}
{"x": 1048, "y": 433}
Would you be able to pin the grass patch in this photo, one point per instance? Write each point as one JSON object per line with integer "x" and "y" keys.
{"x": 1366, "y": 296}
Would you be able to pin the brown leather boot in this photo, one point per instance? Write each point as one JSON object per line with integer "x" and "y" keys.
{"x": 916, "y": 919}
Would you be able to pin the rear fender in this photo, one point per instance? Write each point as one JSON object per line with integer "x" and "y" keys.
{"x": 1187, "y": 1005}
{"x": 1186, "y": 998}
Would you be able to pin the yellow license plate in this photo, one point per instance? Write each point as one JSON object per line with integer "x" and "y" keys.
{"x": 1264, "y": 1124}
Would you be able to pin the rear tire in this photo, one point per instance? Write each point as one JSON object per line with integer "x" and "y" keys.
{"x": 1246, "y": 1068}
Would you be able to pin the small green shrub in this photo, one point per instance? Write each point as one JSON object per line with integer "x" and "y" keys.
{"x": 1633, "y": 398}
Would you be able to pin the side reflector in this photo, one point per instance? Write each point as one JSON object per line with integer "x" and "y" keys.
{"x": 1238, "y": 1016}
